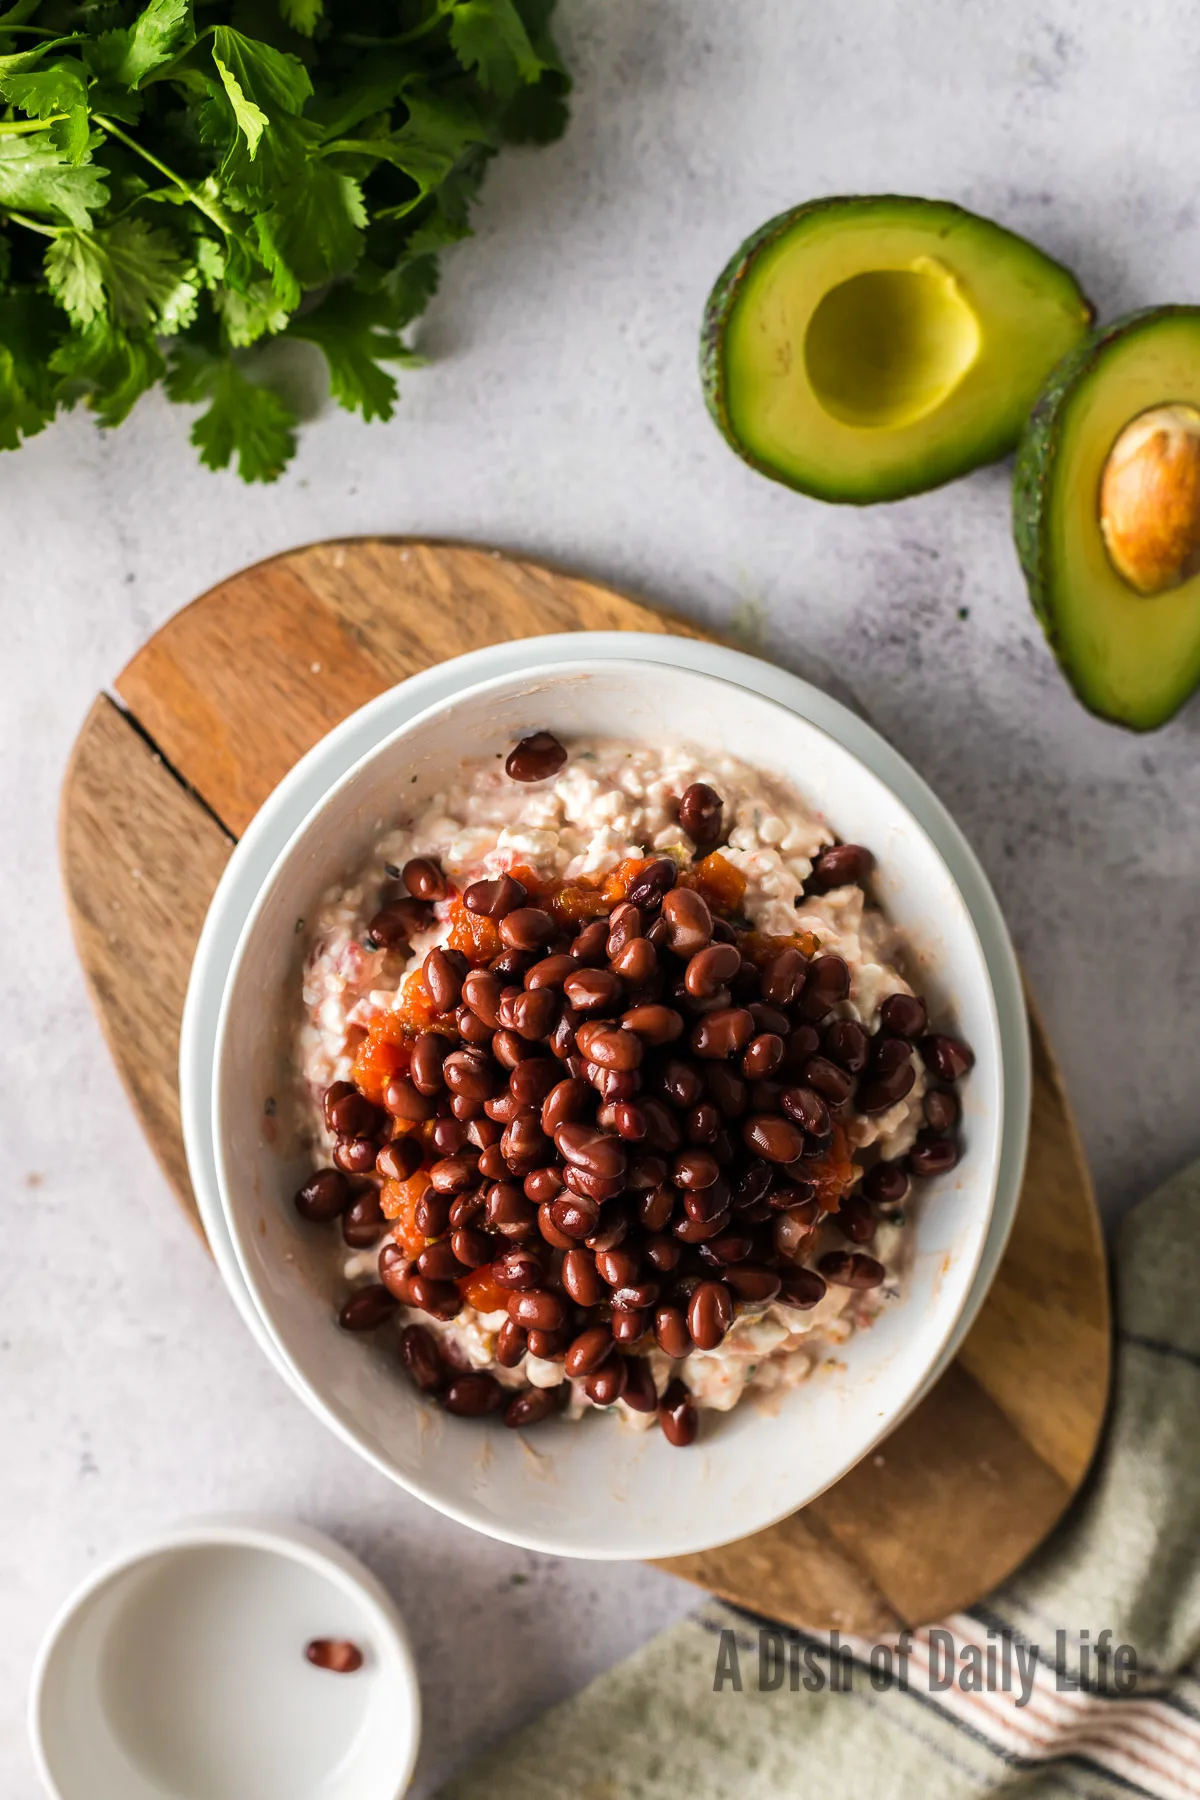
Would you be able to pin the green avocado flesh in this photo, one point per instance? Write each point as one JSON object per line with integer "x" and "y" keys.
{"x": 1131, "y": 658}
{"x": 864, "y": 349}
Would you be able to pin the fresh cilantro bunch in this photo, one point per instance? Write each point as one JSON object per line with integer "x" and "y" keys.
{"x": 180, "y": 182}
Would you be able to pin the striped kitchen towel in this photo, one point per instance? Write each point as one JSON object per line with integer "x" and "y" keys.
{"x": 1081, "y": 1676}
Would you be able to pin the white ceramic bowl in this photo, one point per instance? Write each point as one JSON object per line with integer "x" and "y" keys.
{"x": 592, "y": 1489}
{"x": 177, "y": 1672}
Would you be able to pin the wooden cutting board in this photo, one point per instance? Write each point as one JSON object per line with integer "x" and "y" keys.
{"x": 205, "y": 721}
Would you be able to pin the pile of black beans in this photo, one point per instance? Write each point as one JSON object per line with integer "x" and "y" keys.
{"x": 633, "y": 1127}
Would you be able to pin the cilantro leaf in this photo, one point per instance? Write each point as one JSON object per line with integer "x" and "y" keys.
{"x": 129, "y": 270}
{"x": 261, "y": 82}
{"x": 46, "y": 93}
{"x": 354, "y": 332}
{"x": 128, "y": 54}
{"x": 37, "y": 178}
{"x": 489, "y": 37}
{"x": 243, "y": 418}
{"x": 107, "y": 368}
{"x": 314, "y": 228}
{"x": 302, "y": 15}
{"x": 28, "y": 326}
{"x": 238, "y": 177}
{"x": 251, "y": 315}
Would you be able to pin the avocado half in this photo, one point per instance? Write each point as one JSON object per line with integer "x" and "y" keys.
{"x": 1132, "y": 657}
{"x": 866, "y": 348}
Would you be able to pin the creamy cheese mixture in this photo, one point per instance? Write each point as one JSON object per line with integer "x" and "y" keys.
{"x": 611, "y": 801}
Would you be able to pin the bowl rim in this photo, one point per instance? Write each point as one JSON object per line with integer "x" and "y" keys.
{"x": 285, "y": 1538}
{"x": 463, "y": 1511}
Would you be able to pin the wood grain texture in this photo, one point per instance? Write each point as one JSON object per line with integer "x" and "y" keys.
{"x": 141, "y": 859}
{"x": 235, "y": 688}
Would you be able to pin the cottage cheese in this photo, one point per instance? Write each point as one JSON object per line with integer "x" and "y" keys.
{"x": 613, "y": 800}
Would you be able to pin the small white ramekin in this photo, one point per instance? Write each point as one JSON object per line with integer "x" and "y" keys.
{"x": 178, "y": 1672}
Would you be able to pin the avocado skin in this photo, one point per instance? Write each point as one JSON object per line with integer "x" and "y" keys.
{"x": 1037, "y": 456}
{"x": 724, "y": 295}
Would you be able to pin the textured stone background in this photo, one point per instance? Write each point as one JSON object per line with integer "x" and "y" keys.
{"x": 561, "y": 415}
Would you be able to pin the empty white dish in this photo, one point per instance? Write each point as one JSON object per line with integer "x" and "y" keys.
{"x": 178, "y": 1672}
{"x": 592, "y": 1489}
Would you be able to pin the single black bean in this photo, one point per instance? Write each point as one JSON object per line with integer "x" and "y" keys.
{"x": 846, "y": 1043}
{"x": 828, "y": 982}
{"x": 834, "y": 1084}
{"x": 941, "y": 1110}
{"x": 775, "y": 1139}
{"x": 473, "y": 1395}
{"x": 367, "y": 1308}
{"x": 948, "y": 1057}
{"x": 886, "y": 1184}
{"x": 535, "y": 758}
{"x": 419, "y": 1354}
{"x": 648, "y": 888}
{"x": 444, "y": 978}
{"x": 355, "y": 1156}
{"x": 844, "y": 1268}
{"x": 423, "y": 879}
{"x": 528, "y": 928}
{"x": 689, "y": 921}
{"x": 323, "y": 1196}
{"x": 783, "y": 977}
{"x": 532, "y": 1405}
{"x": 677, "y": 1415}
{"x": 878, "y": 1094}
{"x": 801, "y": 1288}
{"x": 840, "y": 865}
{"x": 806, "y": 1108}
{"x": 700, "y": 813}
{"x": 932, "y": 1154}
{"x": 904, "y": 1015}
{"x": 605, "y": 1385}
{"x": 722, "y": 1034}
{"x": 363, "y": 1223}
{"x": 710, "y": 1314}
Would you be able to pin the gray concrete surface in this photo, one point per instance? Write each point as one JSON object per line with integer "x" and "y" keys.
{"x": 560, "y": 414}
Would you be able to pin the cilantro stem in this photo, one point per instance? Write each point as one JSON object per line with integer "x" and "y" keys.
{"x": 51, "y": 231}
{"x": 185, "y": 187}
{"x": 440, "y": 13}
{"x": 19, "y": 127}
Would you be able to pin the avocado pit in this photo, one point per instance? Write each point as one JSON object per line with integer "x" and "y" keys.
{"x": 1150, "y": 499}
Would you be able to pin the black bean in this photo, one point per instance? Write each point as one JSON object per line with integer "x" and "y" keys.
{"x": 532, "y": 1405}
{"x": 367, "y": 1308}
{"x": 535, "y": 758}
{"x": 948, "y": 1057}
{"x": 846, "y": 1043}
{"x": 677, "y": 1415}
{"x": 941, "y": 1110}
{"x": 323, "y": 1196}
{"x": 904, "y": 1015}
{"x": 363, "y": 1223}
{"x": 419, "y": 1354}
{"x": 932, "y": 1154}
{"x": 647, "y": 890}
{"x": 700, "y": 814}
{"x": 528, "y": 928}
{"x": 423, "y": 879}
{"x": 688, "y": 920}
{"x": 886, "y": 1184}
{"x": 840, "y": 865}
{"x": 828, "y": 982}
{"x": 844, "y": 1268}
{"x": 444, "y": 978}
{"x": 473, "y": 1395}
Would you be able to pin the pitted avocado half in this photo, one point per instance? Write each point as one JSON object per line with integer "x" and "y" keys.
{"x": 1106, "y": 513}
{"x": 863, "y": 349}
